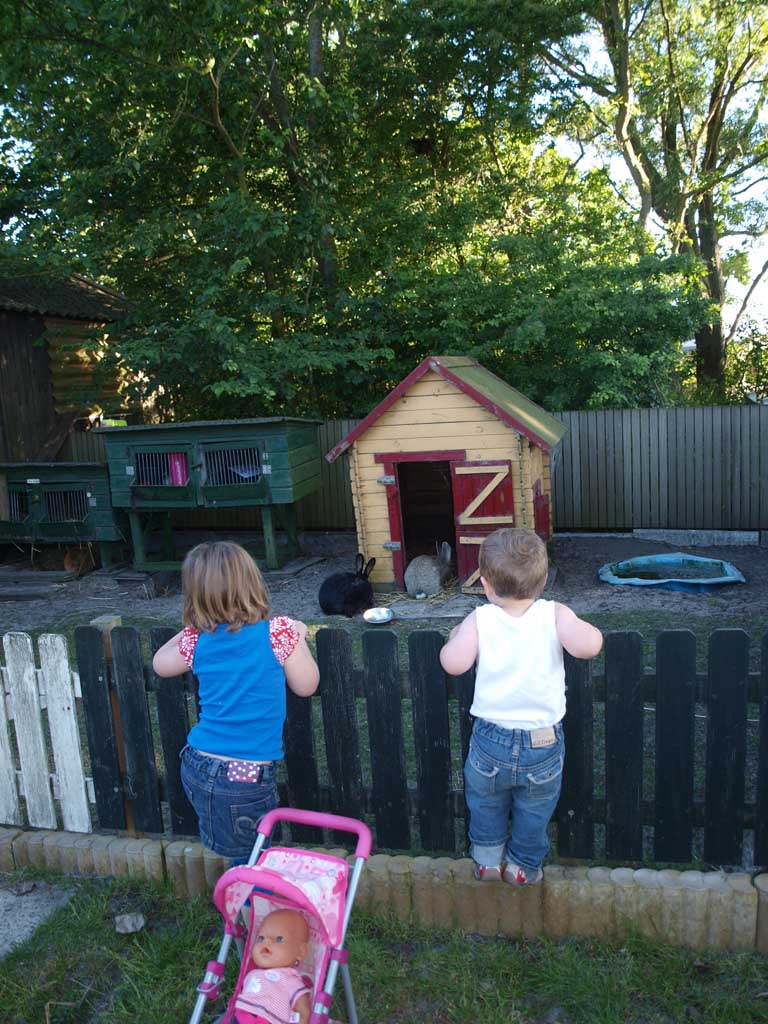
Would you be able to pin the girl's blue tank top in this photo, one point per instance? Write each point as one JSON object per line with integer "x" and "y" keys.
{"x": 241, "y": 693}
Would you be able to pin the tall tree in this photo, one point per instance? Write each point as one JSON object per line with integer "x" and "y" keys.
{"x": 680, "y": 86}
{"x": 301, "y": 199}
{"x": 184, "y": 156}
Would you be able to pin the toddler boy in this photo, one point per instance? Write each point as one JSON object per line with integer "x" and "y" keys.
{"x": 516, "y": 753}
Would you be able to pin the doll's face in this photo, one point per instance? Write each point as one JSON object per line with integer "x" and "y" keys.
{"x": 281, "y": 939}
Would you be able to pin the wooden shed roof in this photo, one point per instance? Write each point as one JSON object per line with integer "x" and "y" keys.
{"x": 183, "y": 424}
{"x": 72, "y": 298}
{"x": 488, "y": 390}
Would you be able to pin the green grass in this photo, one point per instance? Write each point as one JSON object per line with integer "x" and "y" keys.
{"x": 710, "y": 613}
{"x": 651, "y": 623}
{"x": 77, "y": 970}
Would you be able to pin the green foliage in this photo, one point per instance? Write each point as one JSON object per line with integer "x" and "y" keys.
{"x": 301, "y": 201}
{"x": 747, "y": 370}
{"x": 678, "y": 90}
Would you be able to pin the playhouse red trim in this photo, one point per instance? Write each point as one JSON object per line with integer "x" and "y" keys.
{"x": 389, "y": 461}
{"x": 449, "y": 455}
{"x": 382, "y": 407}
{"x": 395, "y": 522}
{"x": 434, "y": 363}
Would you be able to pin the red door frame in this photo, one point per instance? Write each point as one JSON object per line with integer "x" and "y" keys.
{"x": 389, "y": 461}
{"x": 477, "y": 528}
{"x": 541, "y": 515}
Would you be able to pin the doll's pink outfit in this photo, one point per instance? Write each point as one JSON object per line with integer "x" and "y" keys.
{"x": 269, "y": 994}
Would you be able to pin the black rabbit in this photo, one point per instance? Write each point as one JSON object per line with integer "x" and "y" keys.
{"x": 347, "y": 593}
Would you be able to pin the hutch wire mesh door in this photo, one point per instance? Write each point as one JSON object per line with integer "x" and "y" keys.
{"x": 61, "y": 503}
{"x": 270, "y": 463}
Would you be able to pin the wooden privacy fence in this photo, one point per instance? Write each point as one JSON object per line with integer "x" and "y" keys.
{"x": 617, "y": 469}
{"x": 670, "y": 763}
{"x": 687, "y": 468}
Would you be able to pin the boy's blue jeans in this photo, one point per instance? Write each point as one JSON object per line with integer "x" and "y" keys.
{"x": 505, "y": 776}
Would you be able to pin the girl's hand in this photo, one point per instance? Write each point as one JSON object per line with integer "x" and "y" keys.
{"x": 301, "y": 628}
{"x": 168, "y": 660}
{"x": 301, "y": 672}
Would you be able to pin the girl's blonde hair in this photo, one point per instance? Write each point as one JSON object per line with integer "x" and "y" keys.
{"x": 222, "y": 585}
{"x": 515, "y": 563}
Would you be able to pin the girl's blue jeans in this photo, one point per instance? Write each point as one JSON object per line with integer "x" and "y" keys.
{"x": 228, "y": 813}
{"x": 506, "y": 778}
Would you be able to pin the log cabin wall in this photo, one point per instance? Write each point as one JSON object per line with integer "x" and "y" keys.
{"x": 52, "y": 344}
{"x": 77, "y": 381}
{"x": 27, "y": 411}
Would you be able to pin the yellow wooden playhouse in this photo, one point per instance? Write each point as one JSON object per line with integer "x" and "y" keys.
{"x": 451, "y": 454}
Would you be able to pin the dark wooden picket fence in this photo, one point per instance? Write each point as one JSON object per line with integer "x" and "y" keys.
{"x": 667, "y": 762}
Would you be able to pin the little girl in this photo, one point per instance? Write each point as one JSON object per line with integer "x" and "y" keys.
{"x": 242, "y": 660}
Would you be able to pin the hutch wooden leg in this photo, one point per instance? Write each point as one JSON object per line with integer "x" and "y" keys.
{"x": 5, "y": 501}
{"x": 107, "y": 553}
{"x": 137, "y": 539}
{"x": 291, "y": 523}
{"x": 168, "y": 548}
{"x": 270, "y": 541}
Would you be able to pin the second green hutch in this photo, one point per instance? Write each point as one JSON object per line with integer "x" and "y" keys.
{"x": 60, "y": 503}
{"x": 271, "y": 462}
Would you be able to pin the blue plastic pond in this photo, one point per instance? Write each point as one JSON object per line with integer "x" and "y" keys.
{"x": 674, "y": 572}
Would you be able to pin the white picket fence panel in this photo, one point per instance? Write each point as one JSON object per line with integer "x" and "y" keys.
{"x": 41, "y": 772}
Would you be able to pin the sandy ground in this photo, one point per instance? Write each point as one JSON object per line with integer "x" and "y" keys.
{"x": 576, "y": 561}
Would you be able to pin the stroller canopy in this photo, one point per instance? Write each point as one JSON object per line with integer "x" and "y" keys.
{"x": 314, "y": 883}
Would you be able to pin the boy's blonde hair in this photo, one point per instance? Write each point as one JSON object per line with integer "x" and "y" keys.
{"x": 222, "y": 585}
{"x": 514, "y": 562}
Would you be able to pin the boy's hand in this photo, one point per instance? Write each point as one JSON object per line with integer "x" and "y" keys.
{"x": 460, "y": 652}
{"x": 579, "y": 638}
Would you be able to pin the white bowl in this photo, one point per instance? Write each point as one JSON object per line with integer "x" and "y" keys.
{"x": 378, "y": 616}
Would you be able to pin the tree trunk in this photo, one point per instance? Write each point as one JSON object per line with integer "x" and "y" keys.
{"x": 710, "y": 362}
{"x": 710, "y": 343}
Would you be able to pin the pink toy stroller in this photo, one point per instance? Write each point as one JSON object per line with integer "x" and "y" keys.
{"x": 316, "y": 884}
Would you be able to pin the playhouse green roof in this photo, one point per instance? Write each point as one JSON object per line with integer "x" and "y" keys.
{"x": 545, "y": 427}
{"x": 488, "y": 390}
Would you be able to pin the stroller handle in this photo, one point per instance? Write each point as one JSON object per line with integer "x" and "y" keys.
{"x": 316, "y": 818}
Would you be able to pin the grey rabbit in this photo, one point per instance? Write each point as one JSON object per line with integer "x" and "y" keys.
{"x": 426, "y": 574}
{"x": 347, "y": 593}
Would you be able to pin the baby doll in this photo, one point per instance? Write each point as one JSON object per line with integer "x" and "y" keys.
{"x": 273, "y": 991}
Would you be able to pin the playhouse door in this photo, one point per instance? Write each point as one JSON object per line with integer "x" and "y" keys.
{"x": 483, "y": 501}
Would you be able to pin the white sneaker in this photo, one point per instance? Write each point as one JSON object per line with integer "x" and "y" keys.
{"x": 486, "y": 874}
{"x": 513, "y": 874}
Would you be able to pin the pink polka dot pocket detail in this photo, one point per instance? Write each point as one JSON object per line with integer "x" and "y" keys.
{"x": 244, "y": 771}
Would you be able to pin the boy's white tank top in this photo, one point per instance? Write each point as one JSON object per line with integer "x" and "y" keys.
{"x": 520, "y": 678}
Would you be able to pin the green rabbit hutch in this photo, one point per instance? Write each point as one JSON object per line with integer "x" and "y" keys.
{"x": 270, "y": 462}
{"x": 60, "y": 503}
